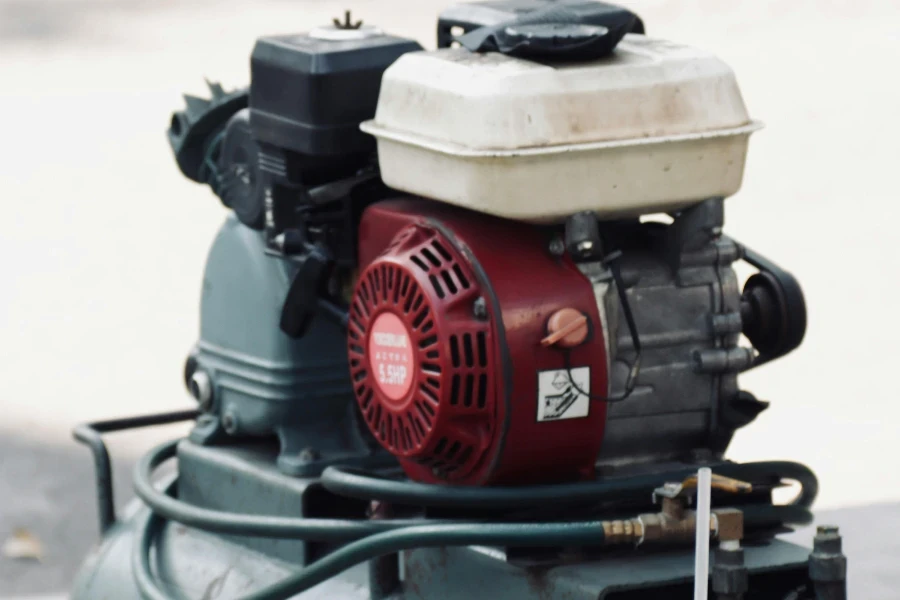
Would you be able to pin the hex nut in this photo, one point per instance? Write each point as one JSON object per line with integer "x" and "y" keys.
{"x": 730, "y": 524}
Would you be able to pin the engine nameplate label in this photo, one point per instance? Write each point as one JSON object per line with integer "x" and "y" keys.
{"x": 391, "y": 356}
{"x": 562, "y": 394}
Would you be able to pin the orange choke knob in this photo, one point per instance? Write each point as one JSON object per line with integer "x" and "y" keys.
{"x": 566, "y": 328}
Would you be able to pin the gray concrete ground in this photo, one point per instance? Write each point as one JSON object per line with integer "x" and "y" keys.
{"x": 47, "y": 488}
{"x": 102, "y": 242}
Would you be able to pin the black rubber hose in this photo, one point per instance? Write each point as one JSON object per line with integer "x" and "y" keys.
{"x": 163, "y": 504}
{"x": 413, "y": 534}
{"x": 364, "y": 487}
{"x": 148, "y": 528}
{"x": 345, "y": 482}
{"x": 588, "y": 533}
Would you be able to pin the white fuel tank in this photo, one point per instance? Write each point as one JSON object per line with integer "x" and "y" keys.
{"x": 652, "y": 128}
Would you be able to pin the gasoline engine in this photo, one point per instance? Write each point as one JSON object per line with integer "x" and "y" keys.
{"x": 470, "y": 329}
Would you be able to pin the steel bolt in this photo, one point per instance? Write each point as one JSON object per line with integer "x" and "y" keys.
{"x": 230, "y": 423}
{"x": 278, "y": 242}
{"x": 730, "y": 578}
{"x": 827, "y": 540}
{"x": 827, "y": 563}
{"x": 308, "y": 455}
{"x": 557, "y": 247}
{"x": 479, "y": 309}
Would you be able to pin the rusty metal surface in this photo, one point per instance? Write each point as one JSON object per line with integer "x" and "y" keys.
{"x": 730, "y": 524}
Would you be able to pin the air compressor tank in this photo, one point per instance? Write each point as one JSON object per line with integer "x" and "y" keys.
{"x": 253, "y": 380}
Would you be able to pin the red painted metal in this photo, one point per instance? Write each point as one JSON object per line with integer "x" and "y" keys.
{"x": 506, "y": 263}
{"x": 437, "y": 411}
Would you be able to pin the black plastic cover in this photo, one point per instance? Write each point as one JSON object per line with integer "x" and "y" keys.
{"x": 471, "y": 16}
{"x": 193, "y": 131}
{"x": 309, "y": 95}
{"x": 571, "y": 31}
{"x": 238, "y": 175}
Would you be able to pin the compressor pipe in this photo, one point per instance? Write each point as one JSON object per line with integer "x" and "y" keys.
{"x": 410, "y": 493}
{"x": 163, "y": 504}
{"x": 345, "y": 482}
{"x": 588, "y": 533}
{"x": 412, "y": 533}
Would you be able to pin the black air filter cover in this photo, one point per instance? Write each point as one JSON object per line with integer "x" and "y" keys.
{"x": 309, "y": 92}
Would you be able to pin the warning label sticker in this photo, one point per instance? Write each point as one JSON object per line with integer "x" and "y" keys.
{"x": 559, "y": 399}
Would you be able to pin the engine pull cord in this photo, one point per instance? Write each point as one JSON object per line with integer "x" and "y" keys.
{"x": 611, "y": 262}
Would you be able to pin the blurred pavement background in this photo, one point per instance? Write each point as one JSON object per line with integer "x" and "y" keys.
{"x": 102, "y": 241}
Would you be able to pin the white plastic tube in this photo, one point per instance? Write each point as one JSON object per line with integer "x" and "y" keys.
{"x": 701, "y": 561}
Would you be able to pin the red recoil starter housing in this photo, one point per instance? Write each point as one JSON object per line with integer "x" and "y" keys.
{"x": 445, "y": 331}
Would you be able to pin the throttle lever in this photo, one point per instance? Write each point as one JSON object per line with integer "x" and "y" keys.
{"x": 306, "y": 290}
